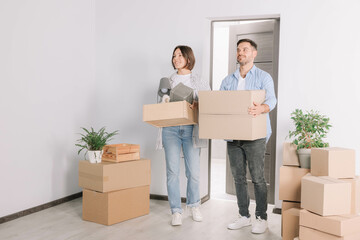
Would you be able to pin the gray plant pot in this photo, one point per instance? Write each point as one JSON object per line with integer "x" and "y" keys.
{"x": 305, "y": 157}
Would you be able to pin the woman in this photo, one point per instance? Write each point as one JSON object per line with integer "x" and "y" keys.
{"x": 185, "y": 138}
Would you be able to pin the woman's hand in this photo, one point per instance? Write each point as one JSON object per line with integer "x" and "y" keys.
{"x": 194, "y": 105}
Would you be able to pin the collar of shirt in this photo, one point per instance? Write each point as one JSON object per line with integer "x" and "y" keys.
{"x": 237, "y": 73}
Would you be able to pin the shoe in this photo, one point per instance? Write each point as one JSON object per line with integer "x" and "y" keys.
{"x": 196, "y": 214}
{"x": 240, "y": 223}
{"x": 176, "y": 219}
{"x": 259, "y": 226}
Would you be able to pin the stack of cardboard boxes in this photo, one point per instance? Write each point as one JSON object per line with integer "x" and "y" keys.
{"x": 118, "y": 188}
{"x": 329, "y": 196}
{"x": 290, "y": 191}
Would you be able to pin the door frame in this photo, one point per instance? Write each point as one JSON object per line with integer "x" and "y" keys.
{"x": 237, "y": 19}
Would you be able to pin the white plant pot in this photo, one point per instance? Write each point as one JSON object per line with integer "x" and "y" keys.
{"x": 304, "y": 157}
{"x": 95, "y": 156}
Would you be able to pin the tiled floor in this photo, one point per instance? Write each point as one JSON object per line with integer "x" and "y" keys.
{"x": 64, "y": 222}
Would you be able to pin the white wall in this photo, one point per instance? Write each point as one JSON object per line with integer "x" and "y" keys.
{"x": 47, "y": 91}
{"x": 49, "y": 83}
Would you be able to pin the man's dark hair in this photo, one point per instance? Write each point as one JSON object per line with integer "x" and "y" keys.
{"x": 252, "y": 43}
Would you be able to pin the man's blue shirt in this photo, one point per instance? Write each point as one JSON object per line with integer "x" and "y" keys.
{"x": 256, "y": 79}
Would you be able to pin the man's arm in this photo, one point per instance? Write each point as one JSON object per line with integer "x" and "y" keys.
{"x": 270, "y": 99}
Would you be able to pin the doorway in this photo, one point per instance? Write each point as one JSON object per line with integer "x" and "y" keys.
{"x": 225, "y": 34}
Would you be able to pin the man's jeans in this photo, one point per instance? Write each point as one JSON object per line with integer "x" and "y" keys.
{"x": 175, "y": 138}
{"x": 252, "y": 153}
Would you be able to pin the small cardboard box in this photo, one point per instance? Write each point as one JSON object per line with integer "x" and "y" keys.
{"x": 306, "y": 233}
{"x": 290, "y": 183}
{"x": 325, "y": 196}
{"x": 117, "y": 206}
{"x": 333, "y": 162}
{"x": 290, "y": 156}
{"x": 355, "y": 194}
{"x": 290, "y": 223}
{"x": 340, "y": 225}
{"x": 108, "y": 176}
{"x": 224, "y": 115}
{"x": 285, "y": 206}
{"x": 169, "y": 114}
{"x": 121, "y": 152}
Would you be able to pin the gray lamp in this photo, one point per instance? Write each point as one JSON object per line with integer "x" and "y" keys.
{"x": 164, "y": 87}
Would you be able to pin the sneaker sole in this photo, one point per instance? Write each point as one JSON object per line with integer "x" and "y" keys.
{"x": 247, "y": 225}
{"x": 176, "y": 224}
{"x": 258, "y": 232}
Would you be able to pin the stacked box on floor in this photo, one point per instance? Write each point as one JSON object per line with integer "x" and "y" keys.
{"x": 115, "y": 191}
{"x": 121, "y": 152}
{"x": 330, "y": 196}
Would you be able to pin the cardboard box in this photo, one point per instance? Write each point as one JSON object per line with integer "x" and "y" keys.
{"x": 290, "y": 156}
{"x": 236, "y": 127}
{"x": 290, "y": 223}
{"x": 334, "y": 162}
{"x": 107, "y": 176}
{"x": 285, "y": 206}
{"x": 312, "y": 234}
{"x": 355, "y": 194}
{"x": 169, "y": 114}
{"x": 224, "y": 115}
{"x": 121, "y": 152}
{"x": 340, "y": 225}
{"x": 325, "y": 195}
{"x": 229, "y": 102}
{"x": 117, "y": 206}
{"x": 290, "y": 183}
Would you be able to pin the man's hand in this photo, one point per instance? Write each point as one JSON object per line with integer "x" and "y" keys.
{"x": 258, "y": 109}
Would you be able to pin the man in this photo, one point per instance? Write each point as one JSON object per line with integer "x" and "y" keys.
{"x": 241, "y": 153}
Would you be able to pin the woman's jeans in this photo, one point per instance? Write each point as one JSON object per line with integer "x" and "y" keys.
{"x": 175, "y": 138}
{"x": 252, "y": 153}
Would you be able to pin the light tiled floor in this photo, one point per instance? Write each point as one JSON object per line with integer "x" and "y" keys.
{"x": 64, "y": 222}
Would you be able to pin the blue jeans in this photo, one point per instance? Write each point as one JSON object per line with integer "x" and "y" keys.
{"x": 252, "y": 153}
{"x": 175, "y": 138}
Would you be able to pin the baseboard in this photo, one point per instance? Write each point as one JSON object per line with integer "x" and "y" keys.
{"x": 39, "y": 208}
{"x": 183, "y": 200}
{"x": 277, "y": 210}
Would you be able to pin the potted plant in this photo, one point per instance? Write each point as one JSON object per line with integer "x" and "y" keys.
{"x": 310, "y": 130}
{"x": 94, "y": 142}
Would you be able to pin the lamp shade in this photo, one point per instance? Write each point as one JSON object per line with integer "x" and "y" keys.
{"x": 164, "y": 87}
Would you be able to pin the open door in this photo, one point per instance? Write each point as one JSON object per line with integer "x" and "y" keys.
{"x": 266, "y": 35}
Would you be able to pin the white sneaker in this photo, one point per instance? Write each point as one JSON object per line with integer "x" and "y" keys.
{"x": 196, "y": 214}
{"x": 176, "y": 219}
{"x": 240, "y": 222}
{"x": 259, "y": 226}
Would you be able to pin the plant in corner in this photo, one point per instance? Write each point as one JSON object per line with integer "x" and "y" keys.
{"x": 94, "y": 142}
{"x": 310, "y": 130}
